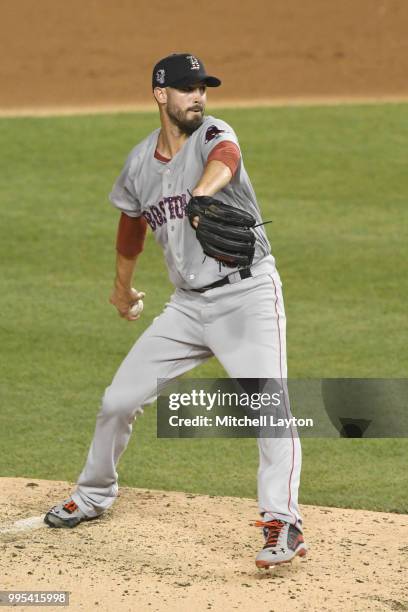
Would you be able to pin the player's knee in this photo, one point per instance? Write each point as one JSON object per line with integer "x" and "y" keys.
{"x": 118, "y": 404}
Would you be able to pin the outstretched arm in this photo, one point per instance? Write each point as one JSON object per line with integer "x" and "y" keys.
{"x": 222, "y": 163}
{"x": 215, "y": 177}
{"x": 221, "y": 166}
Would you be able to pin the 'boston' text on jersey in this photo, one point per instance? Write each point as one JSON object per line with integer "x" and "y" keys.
{"x": 171, "y": 207}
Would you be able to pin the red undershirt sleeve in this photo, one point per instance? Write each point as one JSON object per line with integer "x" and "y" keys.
{"x": 131, "y": 235}
{"x": 228, "y": 153}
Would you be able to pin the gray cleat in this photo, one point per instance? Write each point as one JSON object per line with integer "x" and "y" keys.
{"x": 65, "y": 514}
{"x": 283, "y": 542}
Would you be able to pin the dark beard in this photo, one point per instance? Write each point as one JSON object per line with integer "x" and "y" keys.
{"x": 186, "y": 126}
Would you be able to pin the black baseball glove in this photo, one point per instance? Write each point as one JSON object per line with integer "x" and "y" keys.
{"x": 223, "y": 231}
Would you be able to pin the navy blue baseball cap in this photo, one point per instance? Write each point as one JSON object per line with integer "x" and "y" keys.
{"x": 181, "y": 70}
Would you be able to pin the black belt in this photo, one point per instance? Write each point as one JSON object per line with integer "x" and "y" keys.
{"x": 227, "y": 280}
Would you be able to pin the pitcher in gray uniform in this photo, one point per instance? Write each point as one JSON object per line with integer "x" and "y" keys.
{"x": 235, "y": 315}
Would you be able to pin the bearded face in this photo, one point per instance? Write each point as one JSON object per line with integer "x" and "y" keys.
{"x": 185, "y": 108}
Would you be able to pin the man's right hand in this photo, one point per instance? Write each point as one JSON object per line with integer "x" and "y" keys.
{"x": 124, "y": 299}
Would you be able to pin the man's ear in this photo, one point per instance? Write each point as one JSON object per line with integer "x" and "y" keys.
{"x": 160, "y": 93}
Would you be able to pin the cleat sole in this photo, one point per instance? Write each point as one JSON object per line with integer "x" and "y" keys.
{"x": 267, "y": 564}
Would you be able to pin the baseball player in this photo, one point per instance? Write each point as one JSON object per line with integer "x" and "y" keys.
{"x": 227, "y": 300}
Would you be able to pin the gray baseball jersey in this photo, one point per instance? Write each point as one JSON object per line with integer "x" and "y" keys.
{"x": 160, "y": 192}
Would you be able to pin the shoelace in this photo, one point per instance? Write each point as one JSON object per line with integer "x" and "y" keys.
{"x": 274, "y": 528}
{"x": 70, "y": 506}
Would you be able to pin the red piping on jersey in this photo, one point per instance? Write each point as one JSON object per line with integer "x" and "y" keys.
{"x": 161, "y": 157}
{"x": 131, "y": 235}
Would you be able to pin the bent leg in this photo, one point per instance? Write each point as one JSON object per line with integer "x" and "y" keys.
{"x": 167, "y": 349}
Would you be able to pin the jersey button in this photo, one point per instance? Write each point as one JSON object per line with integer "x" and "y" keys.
{"x": 191, "y": 276}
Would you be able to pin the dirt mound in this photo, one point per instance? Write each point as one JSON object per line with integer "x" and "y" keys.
{"x": 89, "y": 53}
{"x": 158, "y": 550}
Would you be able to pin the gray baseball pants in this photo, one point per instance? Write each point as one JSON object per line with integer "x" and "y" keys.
{"x": 244, "y": 326}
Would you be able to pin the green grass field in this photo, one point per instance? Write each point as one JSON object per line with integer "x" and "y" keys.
{"x": 334, "y": 181}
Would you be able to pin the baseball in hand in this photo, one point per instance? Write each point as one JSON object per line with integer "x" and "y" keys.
{"x": 136, "y": 309}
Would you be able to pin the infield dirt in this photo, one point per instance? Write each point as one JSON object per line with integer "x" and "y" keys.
{"x": 158, "y": 551}
{"x": 88, "y": 53}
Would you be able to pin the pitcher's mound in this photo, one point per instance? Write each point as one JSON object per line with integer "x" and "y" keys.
{"x": 157, "y": 551}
